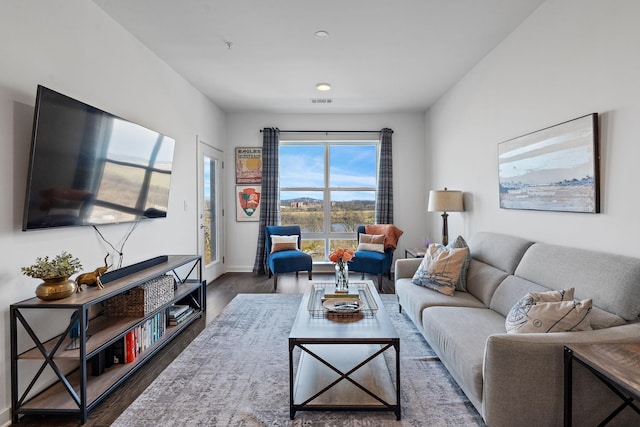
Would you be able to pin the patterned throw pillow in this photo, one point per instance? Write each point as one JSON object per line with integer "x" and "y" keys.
{"x": 462, "y": 281}
{"x": 518, "y": 314}
{"x": 371, "y": 242}
{"x": 458, "y": 243}
{"x": 440, "y": 269}
{"x": 553, "y": 311}
{"x": 284, "y": 243}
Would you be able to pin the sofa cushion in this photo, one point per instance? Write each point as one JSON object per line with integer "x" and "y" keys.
{"x": 414, "y": 299}
{"x": 601, "y": 319}
{"x": 483, "y": 280}
{"x": 510, "y": 291}
{"x": 499, "y": 250}
{"x": 458, "y": 335}
{"x": 610, "y": 280}
{"x": 440, "y": 269}
{"x": 284, "y": 243}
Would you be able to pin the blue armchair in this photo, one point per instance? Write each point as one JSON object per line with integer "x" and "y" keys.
{"x": 285, "y": 259}
{"x": 372, "y": 262}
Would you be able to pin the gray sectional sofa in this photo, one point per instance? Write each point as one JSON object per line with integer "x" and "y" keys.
{"x": 517, "y": 379}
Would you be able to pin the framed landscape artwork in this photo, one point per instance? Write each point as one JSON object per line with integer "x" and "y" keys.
{"x": 248, "y": 202}
{"x": 553, "y": 169}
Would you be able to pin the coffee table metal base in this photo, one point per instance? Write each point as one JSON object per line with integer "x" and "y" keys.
{"x": 344, "y": 377}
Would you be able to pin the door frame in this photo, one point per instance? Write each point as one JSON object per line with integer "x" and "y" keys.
{"x": 216, "y": 268}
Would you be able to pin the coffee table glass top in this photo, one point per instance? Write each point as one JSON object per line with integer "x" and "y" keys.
{"x": 323, "y": 296}
{"x": 372, "y": 324}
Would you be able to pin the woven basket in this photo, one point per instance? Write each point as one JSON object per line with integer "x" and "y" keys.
{"x": 142, "y": 300}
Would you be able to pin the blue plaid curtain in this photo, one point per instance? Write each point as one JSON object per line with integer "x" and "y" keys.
{"x": 384, "y": 197}
{"x": 269, "y": 204}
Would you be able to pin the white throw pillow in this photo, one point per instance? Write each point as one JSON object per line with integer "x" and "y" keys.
{"x": 284, "y": 243}
{"x": 458, "y": 243}
{"x": 553, "y": 311}
{"x": 440, "y": 269}
{"x": 371, "y": 242}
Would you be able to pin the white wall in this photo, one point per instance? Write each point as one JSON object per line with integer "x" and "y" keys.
{"x": 73, "y": 47}
{"x": 408, "y": 171}
{"x": 570, "y": 58}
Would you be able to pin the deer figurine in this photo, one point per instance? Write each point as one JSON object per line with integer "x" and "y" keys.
{"x": 93, "y": 278}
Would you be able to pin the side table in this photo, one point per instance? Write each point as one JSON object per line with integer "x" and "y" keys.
{"x": 414, "y": 252}
{"x": 616, "y": 365}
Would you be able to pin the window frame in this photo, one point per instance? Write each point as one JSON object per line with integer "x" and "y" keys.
{"x": 326, "y": 191}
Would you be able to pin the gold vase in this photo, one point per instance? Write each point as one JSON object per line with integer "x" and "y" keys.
{"x": 56, "y": 288}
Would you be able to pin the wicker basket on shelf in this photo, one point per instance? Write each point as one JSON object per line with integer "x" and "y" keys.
{"x": 141, "y": 300}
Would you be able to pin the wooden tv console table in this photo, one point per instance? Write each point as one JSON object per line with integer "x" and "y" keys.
{"x": 51, "y": 373}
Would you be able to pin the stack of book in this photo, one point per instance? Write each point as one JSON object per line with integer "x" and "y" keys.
{"x": 179, "y": 313}
{"x": 138, "y": 339}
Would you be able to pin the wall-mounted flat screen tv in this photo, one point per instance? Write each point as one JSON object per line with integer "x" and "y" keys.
{"x": 89, "y": 167}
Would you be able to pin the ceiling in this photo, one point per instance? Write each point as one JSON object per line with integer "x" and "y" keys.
{"x": 380, "y": 56}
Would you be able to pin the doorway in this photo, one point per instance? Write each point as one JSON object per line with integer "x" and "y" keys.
{"x": 210, "y": 211}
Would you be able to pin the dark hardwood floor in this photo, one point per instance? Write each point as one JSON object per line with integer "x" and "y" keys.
{"x": 219, "y": 293}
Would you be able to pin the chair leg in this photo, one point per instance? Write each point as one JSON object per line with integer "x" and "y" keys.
{"x": 362, "y": 276}
{"x": 275, "y": 282}
{"x": 310, "y": 275}
{"x": 379, "y": 282}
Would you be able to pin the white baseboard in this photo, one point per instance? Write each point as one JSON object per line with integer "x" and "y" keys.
{"x": 5, "y": 417}
{"x": 238, "y": 269}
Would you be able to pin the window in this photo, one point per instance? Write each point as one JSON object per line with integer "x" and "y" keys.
{"x": 329, "y": 188}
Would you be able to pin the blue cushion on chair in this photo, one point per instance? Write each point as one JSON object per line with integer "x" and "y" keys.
{"x": 371, "y": 262}
{"x": 287, "y": 261}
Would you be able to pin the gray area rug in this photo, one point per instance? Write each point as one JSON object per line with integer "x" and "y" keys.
{"x": 236, "y": 373}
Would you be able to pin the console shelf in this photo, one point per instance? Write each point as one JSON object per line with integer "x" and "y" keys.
{"x": 76, "y": 387}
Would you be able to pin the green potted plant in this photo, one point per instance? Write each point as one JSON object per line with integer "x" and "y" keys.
{"x": 55, "y": 273}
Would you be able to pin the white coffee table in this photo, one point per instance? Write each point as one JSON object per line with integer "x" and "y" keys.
{"x": 342, "y": 358}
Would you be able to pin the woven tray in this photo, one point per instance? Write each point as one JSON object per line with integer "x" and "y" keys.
{"x": 316, "y": 308}
{"x": 142, "y": 300}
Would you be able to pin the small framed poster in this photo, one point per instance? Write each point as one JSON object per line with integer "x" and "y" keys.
{"x": 248, "y": 202}
{"x": 248, "y": 165}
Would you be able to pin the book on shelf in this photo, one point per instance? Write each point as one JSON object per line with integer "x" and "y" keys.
{"x": 174, "y": 321}
{"x": 98, "y": 363}
{"x": 137, "y": 340}
{"x": 341, "y": 295}
{"x": 117, "y": 350}
{"x": 130, "y": 347}
{"x": 176, "y": 310}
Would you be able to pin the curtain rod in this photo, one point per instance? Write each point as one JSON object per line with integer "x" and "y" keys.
{"x": 329, "y": 131}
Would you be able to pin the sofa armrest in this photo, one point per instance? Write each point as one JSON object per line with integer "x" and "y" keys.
{"x": 406, "y": 267}
{"x": 523, "y": 377}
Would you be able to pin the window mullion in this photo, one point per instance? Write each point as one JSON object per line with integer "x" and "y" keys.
{"x": 327, "y": 201}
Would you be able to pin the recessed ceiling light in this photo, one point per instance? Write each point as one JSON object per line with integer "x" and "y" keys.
{"x": 322, "y": 34}
{"x": 323, "y": 87}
